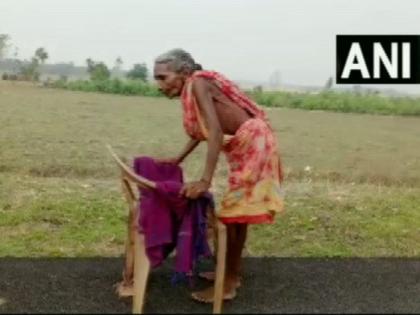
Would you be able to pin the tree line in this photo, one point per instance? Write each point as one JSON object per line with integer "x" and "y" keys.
{"x": 30, "y": 70}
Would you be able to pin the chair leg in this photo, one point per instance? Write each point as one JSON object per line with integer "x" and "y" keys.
{"x": 215, "y": 235}
{"x": 129, "y": 248}
{"x": 131, "y": 231}
{"x": 220, "y": 268}
{"x": 141, "y": 273}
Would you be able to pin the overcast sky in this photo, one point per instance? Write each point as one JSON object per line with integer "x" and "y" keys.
{"x": 246, "y": 39}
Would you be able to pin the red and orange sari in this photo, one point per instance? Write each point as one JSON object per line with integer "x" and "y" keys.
{"x": 255, "y": 172}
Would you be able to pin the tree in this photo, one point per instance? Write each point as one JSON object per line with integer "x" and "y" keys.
{"x": 257, "y": 89}
{"x": 275, "y": 79}
{"x": 30, "y": 71}
{"x": 328, "y": 85}
{"x": 357, "y": 89}
{"x": 16, "y": 52}
{"x": 90, "y": 65}
{"x": 4, "y": 44}
{"x": 138, "y": 72}
{"x": 41, "y": 54}
{"x": 117, "y": 69}
{"x": 98, "y": 71}
{"x": 118, "y": 64}
{"x": 16, "y": 63}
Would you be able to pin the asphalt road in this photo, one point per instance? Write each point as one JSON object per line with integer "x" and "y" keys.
{"x": 270, "y": 285}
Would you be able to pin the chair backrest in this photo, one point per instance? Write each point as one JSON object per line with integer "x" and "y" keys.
{"x": 128, "y": 173}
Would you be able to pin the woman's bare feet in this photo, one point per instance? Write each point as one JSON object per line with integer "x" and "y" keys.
{"x": 207, "y": 275}
{"x": 124, "y": 289}
{"x": 211, "y": 276}
{"x": 207, "y": 295}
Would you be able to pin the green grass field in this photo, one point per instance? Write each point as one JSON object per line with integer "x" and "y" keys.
{"x": 346, "y": 102}
{"x": 353, "y": 181}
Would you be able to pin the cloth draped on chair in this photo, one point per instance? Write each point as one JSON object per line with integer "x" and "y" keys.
{"x": 170, "y": 221}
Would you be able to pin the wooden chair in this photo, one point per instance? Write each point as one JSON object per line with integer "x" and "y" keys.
{"x": 137, "y": 265}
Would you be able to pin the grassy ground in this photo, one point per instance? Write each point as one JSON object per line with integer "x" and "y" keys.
{"x": 347, "y": 102}
{"x": 353, "y": 181}
{"x": 327, "y": 100}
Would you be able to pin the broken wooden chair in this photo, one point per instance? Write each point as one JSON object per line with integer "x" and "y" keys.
{"x": 137, "y": 265}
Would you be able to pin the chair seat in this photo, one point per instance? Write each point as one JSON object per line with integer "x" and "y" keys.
{"x": 137, "y": 264}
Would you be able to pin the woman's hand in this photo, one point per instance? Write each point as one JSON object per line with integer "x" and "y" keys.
{"x": 194, "y": 190}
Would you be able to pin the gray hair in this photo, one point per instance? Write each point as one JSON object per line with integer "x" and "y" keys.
{"x": 179, "y": 60}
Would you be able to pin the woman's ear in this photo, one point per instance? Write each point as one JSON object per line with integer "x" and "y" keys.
{"x": 185, "y": 71}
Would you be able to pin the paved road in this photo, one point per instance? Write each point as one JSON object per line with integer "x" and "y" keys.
{"x": 270, "y": 285}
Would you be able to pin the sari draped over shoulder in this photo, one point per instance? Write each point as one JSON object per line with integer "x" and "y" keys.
{"x": 254, "y": 192}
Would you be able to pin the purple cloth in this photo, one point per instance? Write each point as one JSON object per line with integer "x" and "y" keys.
{"x": 170, "y": 221}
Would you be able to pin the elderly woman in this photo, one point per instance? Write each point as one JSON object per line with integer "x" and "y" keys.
{"x": 216, "y": 111}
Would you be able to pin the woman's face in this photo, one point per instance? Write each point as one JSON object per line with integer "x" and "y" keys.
{"x": 170, "y": 83}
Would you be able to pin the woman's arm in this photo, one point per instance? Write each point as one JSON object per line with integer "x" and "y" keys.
{"x": 189, "y": 147}
{"x": 201, "y": 90}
